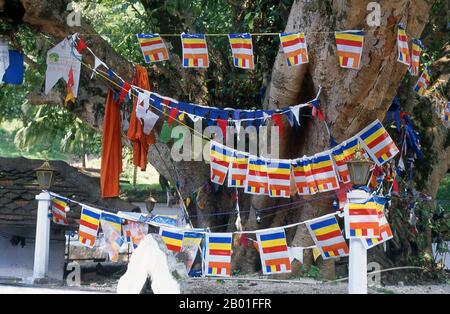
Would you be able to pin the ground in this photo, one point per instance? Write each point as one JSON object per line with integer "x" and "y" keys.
{"x": 239, "y": 286}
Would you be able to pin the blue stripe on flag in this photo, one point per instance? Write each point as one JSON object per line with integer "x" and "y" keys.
{"x": 243, "y": 35}
{"x": 323, "y": 224}
{"x": 219, "y": 239}
{"x": 258, "y": 162}
{"x": 321, "y": 158}
{"x": 280, "y": 165}
{"x": 92, "y": 214}
{"x": 272, "y": 236}
{"x": 172, "y": 235}
{"x": 147, "y": 35}
{"x": 198, "y": 36}
{"x": 194, "y": 235}
{"x": 111, "y": 218}
{"x": 350, "y": 144}
{"x": 371, "y": 131}
{"x": 222, "y": 150}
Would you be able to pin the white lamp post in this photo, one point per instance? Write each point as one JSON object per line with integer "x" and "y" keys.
{"x": 45, "y": 178}
{"x": 359, "y": 169}
{"x": 41, "y": 246}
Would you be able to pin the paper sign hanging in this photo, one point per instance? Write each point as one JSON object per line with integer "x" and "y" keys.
{"x": 60, "y": 59}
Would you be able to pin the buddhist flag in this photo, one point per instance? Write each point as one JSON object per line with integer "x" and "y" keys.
{"x": 256, "y": 181}
{"x": 153, "y": 47}
{"x": 349, "y": 48}
{"x": 423, "y": 82}
{"x": 195, "y": 51}
{"x": 303, "y": 176}
{"x": 242, "y": 50}
{"x": 238, "y": 170}
{"x": 191, "y": 243}
{"x": 402, "y": 43}
{"x": 279, "y": 177}
{"x": 294, "y": 48}
{"x": 341, "y": 163}
{"x": 134, "y": 232}
{"x": 361, "y": 219}
{"x": 172, "y": 238}
{"x": 328, "y": 237}
{"x": 59, "y": 205}
{"x": 220, "y": 158}
{"x": 349, "y": 148}
{"x": 112, "y": 229}
{"x": 127, "y": 233}
{"x": 273, "y": 251}
{"x": 385, "y": 229}
{"x": 324, "y": 173}
{"x": 89, "y": 223}
{"x": 377, "y": 143}
{"x": 415, "y": 59}
{"x": 217, "y": 258}
{"x": 447, "y": 113}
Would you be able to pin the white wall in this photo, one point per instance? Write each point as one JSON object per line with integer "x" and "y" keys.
{"x": 17, "y": 262}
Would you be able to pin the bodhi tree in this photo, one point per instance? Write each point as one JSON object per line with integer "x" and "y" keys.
{"x": 350, "y": 99}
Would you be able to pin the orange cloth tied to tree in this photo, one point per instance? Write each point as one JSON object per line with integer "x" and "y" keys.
{"x": 111, "y": 149}
{"x": 135, "y": 133}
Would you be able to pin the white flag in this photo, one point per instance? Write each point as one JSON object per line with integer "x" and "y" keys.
{"x": 296, "y": 253}
{"x": 4, "y": 58}
{"x": 59, "y": 60}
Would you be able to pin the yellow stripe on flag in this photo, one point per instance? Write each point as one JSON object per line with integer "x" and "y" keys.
{"x": 219, "y": 246}
{"x": 347, "y": 36}
{"x": 271, "y": 243}
{"x": 326, "y": 230}
{"x": 193, "y": 41}
{"x": 89, "y": 219}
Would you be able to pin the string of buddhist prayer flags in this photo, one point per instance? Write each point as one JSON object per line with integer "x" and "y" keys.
{"x": 319, "y": 173}
{"x": 276, "y": 256}
{"x": 213, "y": 115}
{"x": 349, "y": 47}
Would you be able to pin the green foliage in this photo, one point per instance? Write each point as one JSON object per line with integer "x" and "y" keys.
{"x": 117, "y": 22}
{"x": 312, "y": 271}
{"x": 8, "y": 148}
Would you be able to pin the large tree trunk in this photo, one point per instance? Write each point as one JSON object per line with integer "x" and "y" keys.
{"x": 350, "y": 99}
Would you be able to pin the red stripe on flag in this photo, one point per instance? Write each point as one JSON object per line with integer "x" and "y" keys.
{"x": 347, "y": 42}
{"x": 187, "y": 45}
{"x": 220, "y": 252}
{"x": 241, "y": 45}
{"x": 328, "y": 235}
{"x": 88, "y": 224}
{"x": 273, "y": 249}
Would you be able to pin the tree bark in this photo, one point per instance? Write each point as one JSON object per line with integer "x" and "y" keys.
{"x": 350, "y": 99}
